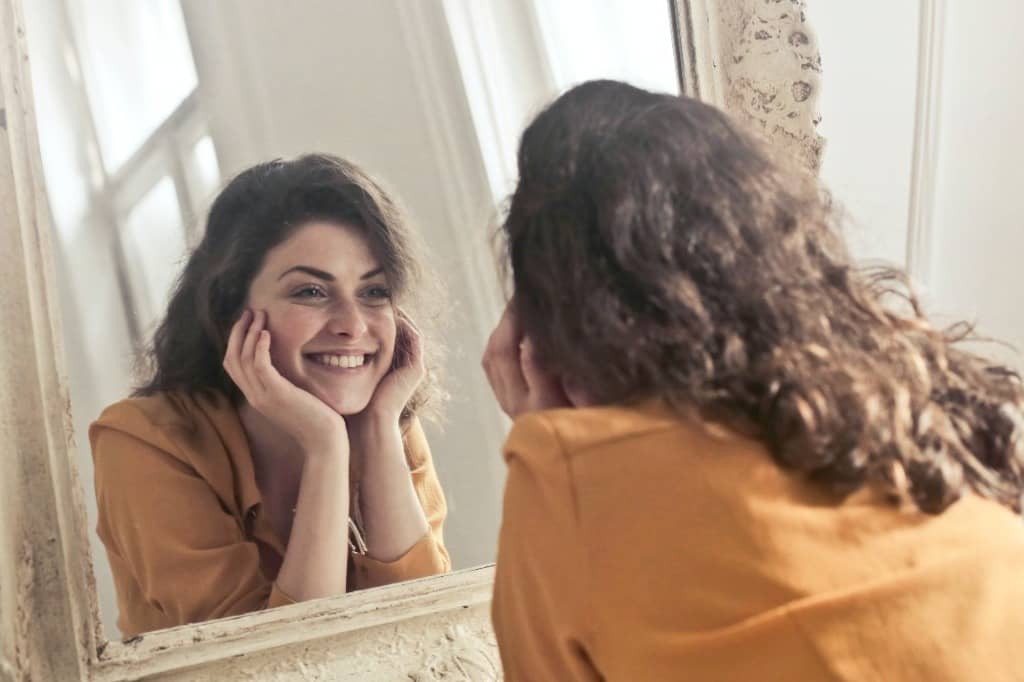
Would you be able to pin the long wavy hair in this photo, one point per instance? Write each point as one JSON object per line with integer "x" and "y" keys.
{"x": 258, "y": 210}
{"x": 658, "y": 250}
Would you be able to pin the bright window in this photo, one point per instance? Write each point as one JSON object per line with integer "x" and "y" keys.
{"x": 137, "y": 66}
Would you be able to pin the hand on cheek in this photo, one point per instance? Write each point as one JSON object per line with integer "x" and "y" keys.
{"x": 397, "y": 386}
{"x": 314, "y": 425}
{"x": 518, "y": 382}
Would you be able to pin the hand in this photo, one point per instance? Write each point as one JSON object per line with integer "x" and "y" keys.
{"x": 519, "y": 384}
{"x": 307, "y": 419}
{"x": 408, "y": 369}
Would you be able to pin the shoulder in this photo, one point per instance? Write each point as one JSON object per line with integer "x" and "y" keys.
{"x": 168, "y": 421}
{"x": 574, "y": 431}
{"x": 566, "y": 442}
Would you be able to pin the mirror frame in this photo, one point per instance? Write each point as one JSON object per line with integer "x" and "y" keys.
{"x": 756, "y": 58}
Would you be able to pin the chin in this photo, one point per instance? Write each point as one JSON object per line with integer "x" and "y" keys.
{"x": 347, "y": 407}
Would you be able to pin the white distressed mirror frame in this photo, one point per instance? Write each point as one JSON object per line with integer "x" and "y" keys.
{"x": 756, "y": 58}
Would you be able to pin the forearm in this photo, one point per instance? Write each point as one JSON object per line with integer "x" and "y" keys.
{"x": 392, "y": 515}
{"x": 316, "y": 561}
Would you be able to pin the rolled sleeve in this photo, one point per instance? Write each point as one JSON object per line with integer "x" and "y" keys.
{"x": 425, "y": 558}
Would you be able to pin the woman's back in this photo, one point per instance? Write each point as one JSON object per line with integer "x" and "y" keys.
{"x": 870, "y": 526}
{"x": 648, "y": 546}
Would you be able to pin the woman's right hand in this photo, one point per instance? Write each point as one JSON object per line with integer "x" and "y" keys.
{"x": 518, "y": 382}
{"x": 307, "y": 419}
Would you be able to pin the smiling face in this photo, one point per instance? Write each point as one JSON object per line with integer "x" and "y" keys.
{"x": 329, "y": 313}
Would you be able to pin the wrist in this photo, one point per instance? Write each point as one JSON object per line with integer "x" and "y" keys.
{"x": 327, "y": 447}
{"x": 374, "y": 419}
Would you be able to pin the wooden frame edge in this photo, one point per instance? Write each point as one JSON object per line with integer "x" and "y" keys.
{"x": 45, "y": 543}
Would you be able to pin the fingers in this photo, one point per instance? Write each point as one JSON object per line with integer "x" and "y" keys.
{"x": 248, "y": 349}
{"x": 514, "y": 370}
{"x": 237, "y": 334}
{"x": 408, "y": 352}
{"x": 544, "y": 389}
{"x": 413, "y": 342}
{"x": 501, "y": 363}
{"x": 403, "y": 317}
{"x": 241, "y": 353}
{"x": 235, "y": 338}
{"x": 263, "y": 370}
{"x": 408, "y": 330}
{"x": 247, "y": 355}
{"x": 506, "y": 335}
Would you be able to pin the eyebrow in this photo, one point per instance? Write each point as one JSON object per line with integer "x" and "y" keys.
{"x": 326, "y": 276}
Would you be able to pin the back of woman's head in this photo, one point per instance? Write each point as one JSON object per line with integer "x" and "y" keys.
{"x": 259, "y": 209}
{"x": 658, "y": 250}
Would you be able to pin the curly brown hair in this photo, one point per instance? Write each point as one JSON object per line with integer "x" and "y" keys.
{"x": 658, "y": 250}
{"x": 257, "y": 210}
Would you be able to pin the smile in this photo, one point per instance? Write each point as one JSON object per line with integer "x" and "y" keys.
{"x": 342, "y": 361}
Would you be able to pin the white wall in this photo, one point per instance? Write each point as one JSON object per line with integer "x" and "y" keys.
{"x": 978, "y": 237}
{"x": 869, "y": 76}
{"x": 870, "y": 70}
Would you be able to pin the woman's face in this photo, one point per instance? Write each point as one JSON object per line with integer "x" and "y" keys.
{"x": 329, "y": 312}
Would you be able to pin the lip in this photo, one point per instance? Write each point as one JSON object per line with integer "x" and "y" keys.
{"x": 331, "y": 369}
{"x": 370, "y": 358}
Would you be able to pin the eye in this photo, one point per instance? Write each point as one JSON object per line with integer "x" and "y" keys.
{"x": 377, "y": 293}
{"x": 309, "y": 292}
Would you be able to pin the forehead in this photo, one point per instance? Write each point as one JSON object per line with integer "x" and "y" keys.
{"x": 336, "y": 248}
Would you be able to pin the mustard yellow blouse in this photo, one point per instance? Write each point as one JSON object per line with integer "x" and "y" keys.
{"x": 636, "y": 545}
{"x": 181, "y": 517}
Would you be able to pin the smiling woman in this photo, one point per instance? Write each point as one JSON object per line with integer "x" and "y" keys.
{"x": 334, "y": 333}
{"x": 278, "y": 438}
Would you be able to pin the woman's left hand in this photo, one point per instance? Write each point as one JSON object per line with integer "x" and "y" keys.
{"x": 517, "y": 380}
{"x": 396, "y": 388}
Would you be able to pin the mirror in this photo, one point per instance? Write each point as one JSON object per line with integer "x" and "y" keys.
{"x": 145, "y": 111}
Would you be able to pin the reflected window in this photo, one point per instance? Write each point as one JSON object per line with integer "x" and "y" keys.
{"x": 137, "y": 66}
{"x": 202, "y": 171}
{"x": 124, "y": 86}
{"x": 154, "y": 246}
{"x": 515, "y": 56}
{"x": 625, "y": 40}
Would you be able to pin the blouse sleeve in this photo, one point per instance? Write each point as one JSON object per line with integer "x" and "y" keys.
{"x": 166, "y": 531}
{"x": 541, "y": 587}
{"x": 429, "y": 555}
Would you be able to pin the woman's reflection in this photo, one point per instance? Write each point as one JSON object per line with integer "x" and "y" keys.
{"x": 274, "y": 453}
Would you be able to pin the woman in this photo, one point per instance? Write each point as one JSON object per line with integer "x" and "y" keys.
{"x": 772, "y": 471}
{"x": 274, "y": 454}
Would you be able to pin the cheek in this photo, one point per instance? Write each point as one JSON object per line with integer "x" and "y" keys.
{"x": 384, "y": 326}
{"x": 290, "y": 328}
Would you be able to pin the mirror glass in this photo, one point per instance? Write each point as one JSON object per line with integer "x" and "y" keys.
{"x": 146, "y": 109}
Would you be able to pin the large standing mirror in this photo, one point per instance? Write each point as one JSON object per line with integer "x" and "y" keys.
{"x": 145, "y": 110}
{"x": 142, "y": 111}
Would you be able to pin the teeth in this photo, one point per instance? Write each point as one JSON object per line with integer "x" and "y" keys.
{"x": 345, "y": 361}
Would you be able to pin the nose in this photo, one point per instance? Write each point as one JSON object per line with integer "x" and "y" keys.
{"x": 346, "y": 319}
